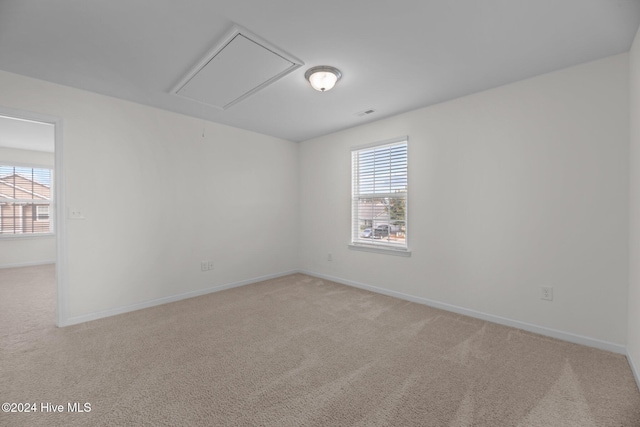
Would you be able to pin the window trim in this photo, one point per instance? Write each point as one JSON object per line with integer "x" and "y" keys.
{"x": 380, "y": 247}
{"x": 363, "y": 247}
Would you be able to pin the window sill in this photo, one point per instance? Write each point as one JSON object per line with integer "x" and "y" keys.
{"x": 381, "y": 250}
{"x": 25, "y": 236}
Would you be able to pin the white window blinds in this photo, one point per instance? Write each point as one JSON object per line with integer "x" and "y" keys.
{"x": 379, "y": 195}
{"x": 25, "y": 200}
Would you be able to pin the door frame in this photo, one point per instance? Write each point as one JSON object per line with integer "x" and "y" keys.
{"x": 62, "y": 313}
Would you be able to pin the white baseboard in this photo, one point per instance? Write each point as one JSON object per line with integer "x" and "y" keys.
{"x": 633, "y": 369}
{"x": 29, "y": 264}
{"x": 553, "y": 333}
{"x": 173, "y": 298}
{"x": 565, "y": 336}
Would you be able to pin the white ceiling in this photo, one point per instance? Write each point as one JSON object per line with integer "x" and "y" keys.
{"x": 26, "y": 134}
{"x": 395, "y": 56}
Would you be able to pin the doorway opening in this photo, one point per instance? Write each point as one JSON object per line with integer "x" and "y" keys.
{"x": 32, "y": 225}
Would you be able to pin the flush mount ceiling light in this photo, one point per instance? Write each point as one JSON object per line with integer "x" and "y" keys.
{"x": 323, "y": 78}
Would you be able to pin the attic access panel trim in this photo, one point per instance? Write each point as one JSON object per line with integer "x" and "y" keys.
{"x": 239, "y": 66}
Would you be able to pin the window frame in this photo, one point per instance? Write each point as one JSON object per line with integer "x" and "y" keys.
{"x": 32, "y": 203}
{"x": 357, "y": 242}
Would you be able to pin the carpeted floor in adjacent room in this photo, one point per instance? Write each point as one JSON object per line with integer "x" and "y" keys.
{"x": 296, "y": 351}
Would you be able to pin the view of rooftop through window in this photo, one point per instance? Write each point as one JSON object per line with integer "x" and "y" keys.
{"x": 25, "y": 200}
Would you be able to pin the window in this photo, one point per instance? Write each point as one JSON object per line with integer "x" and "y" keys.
{"x": 379, "y": 196}
{"x": 42, "y": 212}
{"x": 25, "y": 200}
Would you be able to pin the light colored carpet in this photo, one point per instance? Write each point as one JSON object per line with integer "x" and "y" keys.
{"x": 297, "y": 351}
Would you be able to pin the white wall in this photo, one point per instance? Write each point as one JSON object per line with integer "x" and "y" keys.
{"x": 158, "y": 198}
{"x": 633, "y": 337}
{"x": 26, "y": 250}
{"x": 27, "y": 157}
{"x": 510, "y": 189}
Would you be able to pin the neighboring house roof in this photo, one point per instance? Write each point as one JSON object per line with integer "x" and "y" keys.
{"x": 18, "y": 187}
{"x": 371, "y": 210}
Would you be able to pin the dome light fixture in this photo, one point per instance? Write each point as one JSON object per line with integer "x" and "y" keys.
{"x": 323, "y": 77}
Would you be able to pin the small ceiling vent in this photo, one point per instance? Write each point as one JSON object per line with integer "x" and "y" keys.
{"x": 365, "y": 113}
{"x": 239, "y": 66}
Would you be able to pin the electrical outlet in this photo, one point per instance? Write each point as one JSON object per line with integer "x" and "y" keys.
{"x": 329, "y": 257}
{"x": 547, "y": 293}
{"x": 206, "y": 265}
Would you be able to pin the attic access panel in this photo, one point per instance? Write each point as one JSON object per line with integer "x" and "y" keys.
{"x": 238, "y": 67}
